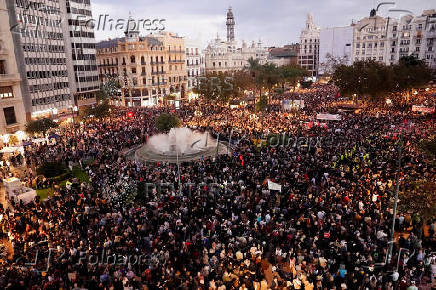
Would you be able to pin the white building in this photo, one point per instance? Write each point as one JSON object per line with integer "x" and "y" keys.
{"x": 413, "y": 35}
{"x": 225, "y": 55}
{"x": 309, "y": 47}
{"x": 194, "y": 62}
{"x": 370, "y": 41}
{"x": 335, "y": 47}
{"x": 388, "y": 39}
{"x": 12, "y": 114}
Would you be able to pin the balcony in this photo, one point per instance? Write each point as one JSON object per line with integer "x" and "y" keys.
{"x": 158, "y": 72}
{"x": 9, "y": 78}
{"x": 157, "y": 62}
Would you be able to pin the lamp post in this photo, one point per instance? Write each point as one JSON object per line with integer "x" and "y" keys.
{"x": 397, "y": 188}
{"x": 74, "y": 109}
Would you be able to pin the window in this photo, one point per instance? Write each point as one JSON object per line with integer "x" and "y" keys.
{"x": 10, "y": 117}
{"x": 2, "y": 67}
{"x": 6, "y": 93}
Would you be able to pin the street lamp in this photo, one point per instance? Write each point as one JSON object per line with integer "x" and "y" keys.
{"x": 74, "y": 110}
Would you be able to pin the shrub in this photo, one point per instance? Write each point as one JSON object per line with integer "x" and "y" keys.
{"x": 52, "y": 170}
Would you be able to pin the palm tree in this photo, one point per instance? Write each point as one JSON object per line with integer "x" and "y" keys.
{"x": 271, "y": 76}
{"x": 255, "y": 70}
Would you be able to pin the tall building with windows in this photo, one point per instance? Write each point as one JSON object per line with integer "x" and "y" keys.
{"x": 370, "y": 38}
{"x": 12, "y": 114}
{"x": 225, "y": 55}
{"x": 194, "y": 62}
{"x": 79, "y": 35}
{"x": 308, "y": 57}
{"x": 41, "y": 55}
{"x": 149, "y": 68}
{"x": 56, "y": 56}
{"x": 412, "y": 35}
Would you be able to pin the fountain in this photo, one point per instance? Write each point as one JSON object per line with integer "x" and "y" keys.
{"x": 180, "y": 144}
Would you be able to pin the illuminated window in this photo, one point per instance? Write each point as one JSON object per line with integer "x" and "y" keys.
{"x": 6, "y": 93}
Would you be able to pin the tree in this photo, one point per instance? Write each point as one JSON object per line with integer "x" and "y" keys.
{"x": 208, "y": 87}
{"x": 292, "y": 74}
{"x": 165, "y": 122}
{"x": 109, "y": 89}
{"x": 410, "y": 73}
{"x": 241, "y": 81}
{"x": 370, "y": 79}
{"x": 99, "y": 111}
{"x": 40, "y": 126}
{"x": 262, "y": 104}
{"x": 261, "y": 107}
{"x": 329, "y": 66}
{"x": 254, "y": 68}
{"x": 419, "y": 198}
{"x": 428, "y": 147}
{"x": 270, "y": 75}
{"x": 306, "y": 84}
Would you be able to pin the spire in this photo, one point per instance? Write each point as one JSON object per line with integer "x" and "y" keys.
{"x": 132, "y": 31}
{"x": 310, "y": 24}
{"x": 230, "y": 25}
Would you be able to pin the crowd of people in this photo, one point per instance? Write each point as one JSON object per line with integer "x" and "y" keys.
{"x": 219, "y": 226}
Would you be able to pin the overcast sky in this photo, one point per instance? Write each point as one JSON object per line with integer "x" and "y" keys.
{"x": 275, "y": 22}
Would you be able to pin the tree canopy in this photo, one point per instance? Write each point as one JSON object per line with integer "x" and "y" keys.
{"x": 98, "y": 111}
{"x": 109, "y": 89}
{"x": 165, "y": 122}
{"x": 374, "y": 79}
{"x": 40, "y": 126}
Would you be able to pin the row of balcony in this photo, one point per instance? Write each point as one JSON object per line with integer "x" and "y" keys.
{"x": 158, "y": 72}
{"x": 177, "y": 61}
{"x": 151, "y": 63}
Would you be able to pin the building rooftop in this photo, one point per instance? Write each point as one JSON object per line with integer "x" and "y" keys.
{"x": 114, "y": 42}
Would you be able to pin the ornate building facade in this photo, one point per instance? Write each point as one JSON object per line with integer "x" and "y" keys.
{"x": 387, "y": 39}
{"x": 369, "y": 38}
{"x": 225, "y": 55}
{"x": 413, "y": 36}
{"x": 148, "y": 68}
{"x": 194, "y": 62}
{"x": 308, "y": 57}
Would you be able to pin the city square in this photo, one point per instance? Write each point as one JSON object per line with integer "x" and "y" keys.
{"x": 146, "y": 160}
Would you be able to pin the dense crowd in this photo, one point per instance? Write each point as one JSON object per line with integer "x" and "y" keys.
{"x": 220, "y": 227}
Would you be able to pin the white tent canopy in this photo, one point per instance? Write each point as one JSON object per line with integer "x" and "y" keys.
{"x": 10, "y": 149}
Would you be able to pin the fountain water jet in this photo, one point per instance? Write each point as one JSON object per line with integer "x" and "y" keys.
{"x": 181, "y": 144}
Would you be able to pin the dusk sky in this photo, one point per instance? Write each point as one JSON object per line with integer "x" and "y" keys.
{"x": 275, "y": 22}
